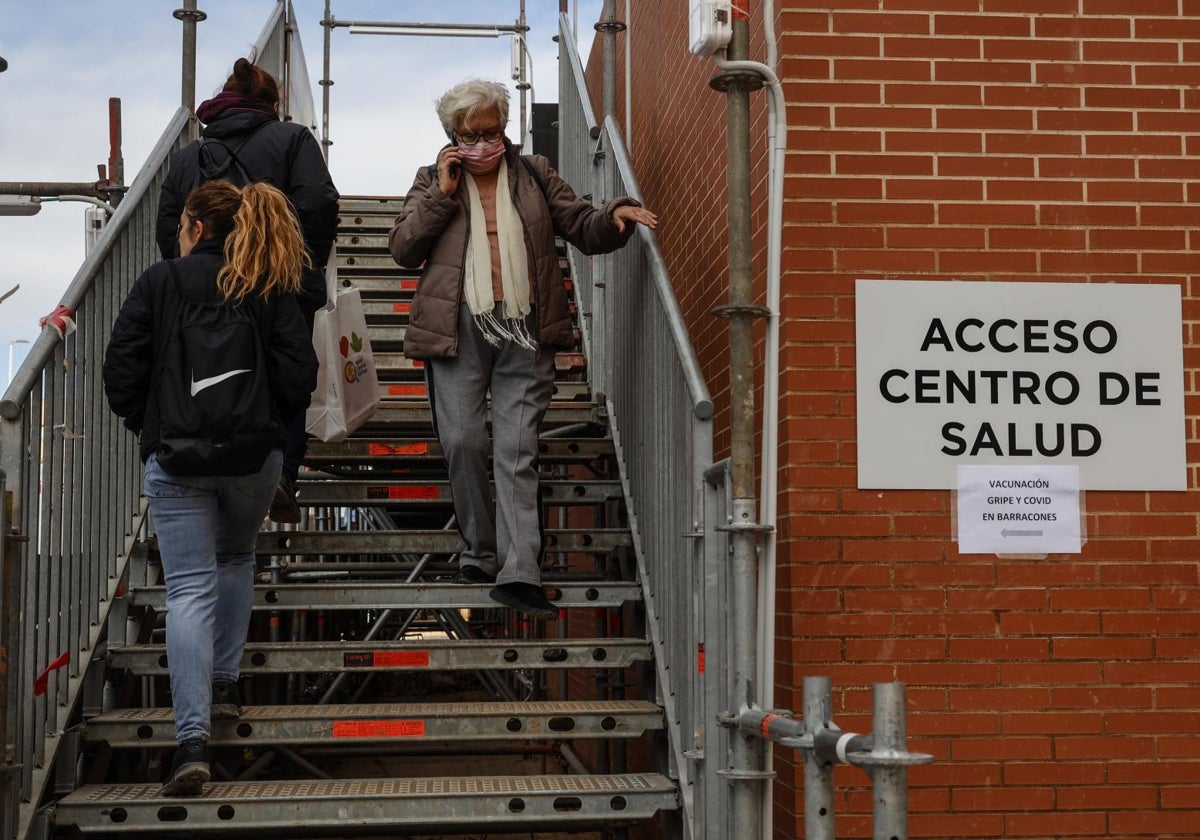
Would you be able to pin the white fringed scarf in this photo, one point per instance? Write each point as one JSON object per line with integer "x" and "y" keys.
{"x": 514, "y": 268}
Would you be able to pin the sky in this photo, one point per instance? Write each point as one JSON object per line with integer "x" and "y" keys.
{"x": 67, "y": 57}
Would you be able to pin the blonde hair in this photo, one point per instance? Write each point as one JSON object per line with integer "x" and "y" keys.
{"x": 264, "y": 246}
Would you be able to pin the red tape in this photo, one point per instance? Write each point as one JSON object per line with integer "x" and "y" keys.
{"x": 61, "y": 319}
{"x": 42, "y": 683}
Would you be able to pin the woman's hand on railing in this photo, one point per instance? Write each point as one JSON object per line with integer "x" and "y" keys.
{"x": 629, "y": 213}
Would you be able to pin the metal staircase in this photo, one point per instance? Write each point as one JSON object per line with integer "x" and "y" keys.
{"x": 365, "y": 654}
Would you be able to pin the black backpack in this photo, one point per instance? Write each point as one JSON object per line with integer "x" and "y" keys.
{"x": 214, "y": 396}
{"x": 214, "y": 159}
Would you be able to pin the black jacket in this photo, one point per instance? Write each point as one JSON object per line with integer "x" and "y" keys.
{"x": 281, "y": 153}
{"x": 129, "y": 361}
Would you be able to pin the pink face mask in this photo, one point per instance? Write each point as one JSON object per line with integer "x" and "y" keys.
{"x": 482, "y": 158}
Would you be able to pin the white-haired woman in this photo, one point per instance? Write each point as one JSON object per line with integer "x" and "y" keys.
{"x": 489, "y": 314}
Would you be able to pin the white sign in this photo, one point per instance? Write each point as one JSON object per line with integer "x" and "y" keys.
{"x": 1018, "y": 510}
{"x": 954, "y": 373}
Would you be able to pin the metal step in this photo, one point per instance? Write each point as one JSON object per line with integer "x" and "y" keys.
{"x": 380, "y": 491}
{"x": 423, "y": 655}
{"x": 393, "y": 415}
{"x": 397, "y": 365}
{"x": 388, "y": 722}
{"x": 404, "y": 596}
{"x": 592, "y": 541}
{"x": 491, "y": 804}
{"x": 573, "y": 392}
{"x": 418, "y": 451}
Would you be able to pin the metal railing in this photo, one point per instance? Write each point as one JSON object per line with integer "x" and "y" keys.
{"x": 641, "y": 360}
{"x": 72, "y": 480}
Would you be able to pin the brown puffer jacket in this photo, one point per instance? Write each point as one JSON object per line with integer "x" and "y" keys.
{"x": 432, "y": 231}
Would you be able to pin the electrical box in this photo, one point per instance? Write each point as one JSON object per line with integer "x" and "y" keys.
{"x": 709, "y": 26}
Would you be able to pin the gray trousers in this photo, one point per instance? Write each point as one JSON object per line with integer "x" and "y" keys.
{"x": 503, "y": 536}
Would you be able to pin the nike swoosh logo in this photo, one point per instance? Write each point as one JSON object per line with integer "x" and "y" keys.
{"x": 199, "y": 385}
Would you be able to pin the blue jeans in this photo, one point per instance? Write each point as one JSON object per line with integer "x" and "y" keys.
{"x": 206, "y": 527}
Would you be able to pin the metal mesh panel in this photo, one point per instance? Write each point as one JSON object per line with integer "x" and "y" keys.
{"x": 641, "y": 359}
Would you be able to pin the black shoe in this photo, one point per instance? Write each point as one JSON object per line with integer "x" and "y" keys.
{"x": 189, "y": 769}
{"x": 525, "y": 597}
{"x": 283, "y": 507}
{"x": 470, "y": 573}
{"x": 226, "y": 700}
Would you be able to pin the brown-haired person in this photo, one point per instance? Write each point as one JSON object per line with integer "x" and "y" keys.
{"x": 242, "y": 250}
{"x": 244, "y": 119}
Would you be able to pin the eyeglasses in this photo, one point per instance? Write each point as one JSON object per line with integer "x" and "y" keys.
{"x": 474, "y": 138}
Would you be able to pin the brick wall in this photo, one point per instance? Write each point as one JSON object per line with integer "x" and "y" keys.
{"x": 983, "y": 140}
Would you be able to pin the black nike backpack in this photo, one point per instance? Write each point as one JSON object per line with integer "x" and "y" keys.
{"x": 214, "y": 395}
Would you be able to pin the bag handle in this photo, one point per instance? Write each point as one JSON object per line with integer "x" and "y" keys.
{"x": 331, "y": 278}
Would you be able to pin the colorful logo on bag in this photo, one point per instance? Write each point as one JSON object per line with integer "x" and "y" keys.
{"x": 350, "y": 372}
{"x": 354, "y": 342}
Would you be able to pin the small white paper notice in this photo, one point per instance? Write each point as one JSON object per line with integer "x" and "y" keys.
{"x": 1018, "y": 510}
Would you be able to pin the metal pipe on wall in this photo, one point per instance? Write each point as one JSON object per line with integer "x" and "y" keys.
{"x": 746, "y": 757}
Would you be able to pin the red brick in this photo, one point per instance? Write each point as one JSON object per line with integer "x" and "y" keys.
{"x": 897, "y": 93}
{"x": 1083, "y": 73}
{"x": 894, "y": 650}
{"x": 1133, "y": 98}
{"x": 1110, "y": 145}
{"x": 1164, "y": 8}
{"x": 922, "y": 141}
{"x": 1160, "y": 723}
{"x": 1040, "y": 624}
{"x": 911, "y": 47}
{"x": 1149, "y": 772}
{"x": 985, "y": 166}
{"x": 1185, "y": 796}
{"x": 1055, "y": 825}
{"x": 1041, "y": 49}
{"x": 1052, "y": 723}
{"x": 1035, "y": 96}
{"x": 1101, "y": 648}
{"x": 945, "y": 624}
{"x": 835, "y": 140}
{"x": 1054, "y": 773}
{"x": 1131, "y": 52}
{"x": 830, "y": 45}
{"x": 933, "y": 575}
{"x": 1153, "y": 822}
{"x": 1106, "y": 797}
{"x": 1082, "y": 748}
{"x": 1099, "y": 697}
{"x": 882, "y": 70}
{"x": 1045, "y": 574}
{"x": 983, "y": 25}
{"x": 1084, "y": 119}
{"x": 997, "y": 599}
{"x": 1110, "y": 598}
{"x": 985, "y": 119}
{"x": 1002, "y": 799}
{"x": 1139, "y": 673}
{"x": 1058, "y": 673}
{"x": 991, "y": 70}
{"x": 841, "y": 625}
{"x": 999, "y": 698}
{"x": 948, "y": 674}
{"x": 1178, "y": 698}
{"x": 999, "y": 650}
{"x": 956, "y": 825}
{"x": 1005, "y": 749}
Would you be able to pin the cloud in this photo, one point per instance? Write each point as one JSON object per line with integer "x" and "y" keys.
{"x": 68, "y": 57}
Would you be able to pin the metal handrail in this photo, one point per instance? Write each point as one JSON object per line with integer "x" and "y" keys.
{"x": 641, "y": 361}
{"x": 43, "y": 347}
{"x": 71, "y": 480}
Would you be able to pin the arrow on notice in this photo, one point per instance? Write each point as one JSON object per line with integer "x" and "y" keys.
{"x": 1008, "y": 533}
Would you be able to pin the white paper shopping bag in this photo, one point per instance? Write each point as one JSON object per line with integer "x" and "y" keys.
{"x": 347, "y": 387}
